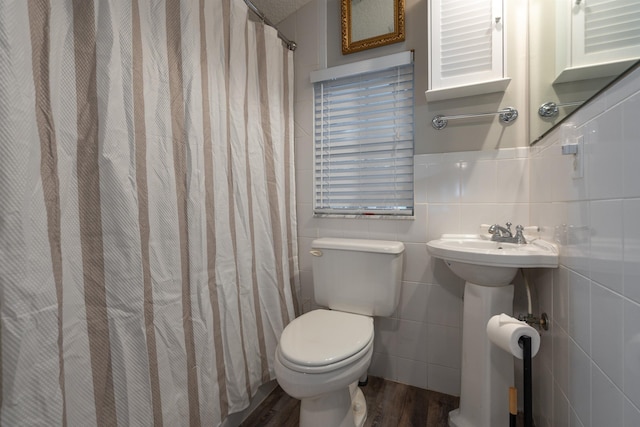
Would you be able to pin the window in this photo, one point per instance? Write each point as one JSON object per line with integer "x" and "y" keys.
{"x": 364, "y": 137}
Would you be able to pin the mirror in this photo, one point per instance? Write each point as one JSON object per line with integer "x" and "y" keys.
{"x": 568, "y": 64}
{"x": 371, "y": 23}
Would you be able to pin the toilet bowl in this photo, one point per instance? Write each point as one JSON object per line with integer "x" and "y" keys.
{"x": 322, "y": 354}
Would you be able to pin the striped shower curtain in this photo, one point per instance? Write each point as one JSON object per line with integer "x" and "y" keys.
{"x": 148, "y": 256}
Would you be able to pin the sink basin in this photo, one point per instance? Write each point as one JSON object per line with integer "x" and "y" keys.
{"x": 477, "y": 259}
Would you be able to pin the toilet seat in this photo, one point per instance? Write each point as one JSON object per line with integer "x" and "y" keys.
{"x": 324, "y": 340}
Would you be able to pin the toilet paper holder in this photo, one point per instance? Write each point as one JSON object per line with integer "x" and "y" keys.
{"x": 539, "y": 322}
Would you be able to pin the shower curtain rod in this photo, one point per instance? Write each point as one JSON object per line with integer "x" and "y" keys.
{"x": 290, "y": 44}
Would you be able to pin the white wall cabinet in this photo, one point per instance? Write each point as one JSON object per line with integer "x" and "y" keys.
{"x": 596, "y": 38}
{"x": 466, "y": 48}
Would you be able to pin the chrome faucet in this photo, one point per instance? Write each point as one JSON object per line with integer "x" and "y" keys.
{"x": 502, "y": 234}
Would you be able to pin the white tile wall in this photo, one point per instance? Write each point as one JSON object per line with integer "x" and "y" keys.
{"x": 631, "y": 351}
{"x": 579, "y": 391}
{"x": 607, "y": 401}
{"x": 579, "y": 319}
{"x": 630, "y": 414}
{"x": 574, "y": 421}
{"x": 605, "y": 261}
{"x": 631, "y": 244}
{"x": 606, "y": 332}
{"x": 593, "y": 375}
{"x": 560, "y": 408}
{"x": 631, "y": 130}
{"x": 560, "y": 358}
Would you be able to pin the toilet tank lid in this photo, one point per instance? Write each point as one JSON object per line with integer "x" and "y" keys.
{"x": 361, "y": 245}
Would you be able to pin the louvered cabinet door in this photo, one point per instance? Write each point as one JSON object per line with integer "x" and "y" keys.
{"x": 604, "y": 31}
{"x": 466, "y": 42}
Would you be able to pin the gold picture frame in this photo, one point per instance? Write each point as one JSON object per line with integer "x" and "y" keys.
{"x": 378, "y": 37}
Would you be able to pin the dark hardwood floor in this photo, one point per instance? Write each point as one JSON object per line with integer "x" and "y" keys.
{"x": 389, "y": 404}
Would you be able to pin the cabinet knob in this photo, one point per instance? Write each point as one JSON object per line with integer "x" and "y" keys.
{"x": 498, "y": 18}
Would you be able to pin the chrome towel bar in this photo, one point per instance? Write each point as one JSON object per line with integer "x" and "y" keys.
{"x": 550, "y": 109}
{"x": 507, "y": 115}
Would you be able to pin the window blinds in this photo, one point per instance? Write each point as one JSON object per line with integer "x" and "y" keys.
{"x": 363, "y": 155}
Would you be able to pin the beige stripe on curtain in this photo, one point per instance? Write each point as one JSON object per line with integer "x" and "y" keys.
{"x": 140, "y": 138}
{"x": 148, "y": 210}
{"x": 90, "y": 208}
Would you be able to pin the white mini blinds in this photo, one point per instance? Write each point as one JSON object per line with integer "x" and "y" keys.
{"x": 363, "y": 157}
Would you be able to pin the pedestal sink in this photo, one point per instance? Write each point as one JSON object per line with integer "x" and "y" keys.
{"x": 488, "y": 268}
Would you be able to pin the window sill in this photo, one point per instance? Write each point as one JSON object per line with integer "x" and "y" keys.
{"x": 353, "y": 216}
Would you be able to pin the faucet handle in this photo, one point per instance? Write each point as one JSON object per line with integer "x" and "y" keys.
{"x": 519, "y": 236}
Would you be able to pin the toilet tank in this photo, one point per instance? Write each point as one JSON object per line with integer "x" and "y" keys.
{"x": 357, "y": 276}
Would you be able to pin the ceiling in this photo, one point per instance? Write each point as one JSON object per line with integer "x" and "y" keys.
{"x": 277, "y": 10}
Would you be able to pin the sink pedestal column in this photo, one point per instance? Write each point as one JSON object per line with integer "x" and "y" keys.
{"x": 487, "y": 370}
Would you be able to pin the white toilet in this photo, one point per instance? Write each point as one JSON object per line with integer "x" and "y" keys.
{"x": 323, "y": 353}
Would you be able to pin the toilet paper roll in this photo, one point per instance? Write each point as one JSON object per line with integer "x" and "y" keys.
{"x": 505, "y": 331}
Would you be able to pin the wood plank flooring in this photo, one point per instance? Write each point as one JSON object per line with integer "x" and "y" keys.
{"x": 389, "y": 404}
